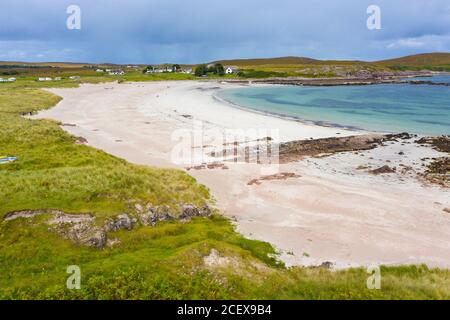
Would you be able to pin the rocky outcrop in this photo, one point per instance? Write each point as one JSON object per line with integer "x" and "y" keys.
{"x": 122, "y": 222}
{"x": 295, "y": 150}
{"x": 441, "y": 143}
{"x": 153, "y": 215}
{"x": 383, "y": 170}
{"x": 84, "y": 234}
{"x": 277, "y": 176}
{"x": 82, "y": 230}
{"x": 78, "y": 228}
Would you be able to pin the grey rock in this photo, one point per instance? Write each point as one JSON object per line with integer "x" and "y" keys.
{"x": 122, "y": 222}
{"x": 188, "y": 211}
{"x": 84, "y": 234}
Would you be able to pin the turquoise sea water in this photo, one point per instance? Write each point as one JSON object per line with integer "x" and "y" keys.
{"x": 421, "y": 109}
{"x": 441, "y": 79}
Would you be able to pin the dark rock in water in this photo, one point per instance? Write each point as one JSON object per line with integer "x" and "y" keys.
{"x": 383, "y": 169}
{"x": 122, "y": 222}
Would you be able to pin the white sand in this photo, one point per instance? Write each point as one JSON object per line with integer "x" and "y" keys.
{"x": 333, "y": 212}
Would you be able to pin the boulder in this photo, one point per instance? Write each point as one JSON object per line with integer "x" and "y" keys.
{"x": 84, "y": 234}
{"x": 383, "y": 169}
{"x": 122, "y": 222}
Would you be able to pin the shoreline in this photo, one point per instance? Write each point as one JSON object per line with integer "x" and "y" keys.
{"x": 326, "y": 210}
{"x": 355, "y": 128}
{"x": 296, "y": 119}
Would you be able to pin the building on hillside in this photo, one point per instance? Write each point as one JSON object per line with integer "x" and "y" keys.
{"x": 231, "y": 70}
{"x": 116, "y": 73}
{"x": 160, "y": 69}
{"x": 187, "y": 71}
{"x": 8, "y": 80}
{"x": 74, "y": 77}
{"x": 99, "y": 70}
{"x": 58, "y": 79}
{"x": 44, "y": 79}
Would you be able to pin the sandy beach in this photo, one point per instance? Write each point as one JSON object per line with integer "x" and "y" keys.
{"x": 329, "y": 209}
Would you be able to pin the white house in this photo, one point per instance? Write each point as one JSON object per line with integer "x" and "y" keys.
{"x": 44, "y": 79}
{"x": 160, "y": 70}
{"x": 99, "y": 70}
{"x": 7, "y": 80}
{"x": 74, "y": 77}
{"x": 116, "y": 73}
{"x": 230, "y": 70}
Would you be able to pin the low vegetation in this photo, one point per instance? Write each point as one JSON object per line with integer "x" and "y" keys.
{"x": 201, "y": 259}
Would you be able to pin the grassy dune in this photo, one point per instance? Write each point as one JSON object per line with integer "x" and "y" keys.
{"x": 162, "y": 262}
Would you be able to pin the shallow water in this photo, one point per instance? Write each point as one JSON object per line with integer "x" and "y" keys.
{"x": 421, "y": 109}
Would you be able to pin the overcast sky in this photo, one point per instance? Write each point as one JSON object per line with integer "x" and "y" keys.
{"x": 193, "y": 31}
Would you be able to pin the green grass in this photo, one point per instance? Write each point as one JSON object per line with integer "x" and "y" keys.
{"x": 441, "y": 68}
{"x": 161, "y": 262}
{"x": 54, "y": 172}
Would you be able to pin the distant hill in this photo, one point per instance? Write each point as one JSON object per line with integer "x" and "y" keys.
{"x": 268, "y": 61}
{"x": 437, "y": 58}
{"x": 425, "y": 59}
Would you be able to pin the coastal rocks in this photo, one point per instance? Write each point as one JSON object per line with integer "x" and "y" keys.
{"x": 163, "y": 213}
{"x": 296, "y": 150}
{"x": 383, "y": 170}
{"x": 81, "y": 140}
{"x": 277, "y": 176}
{"x": 82, "y": 230}
{"x": 441, "y": 143}
{"x": 214, "y": 165}
{"x": 189, "y": 211}
{"x": 438, "y": 172}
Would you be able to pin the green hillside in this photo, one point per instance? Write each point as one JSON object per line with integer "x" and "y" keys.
{"x": 438, "y": 58}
